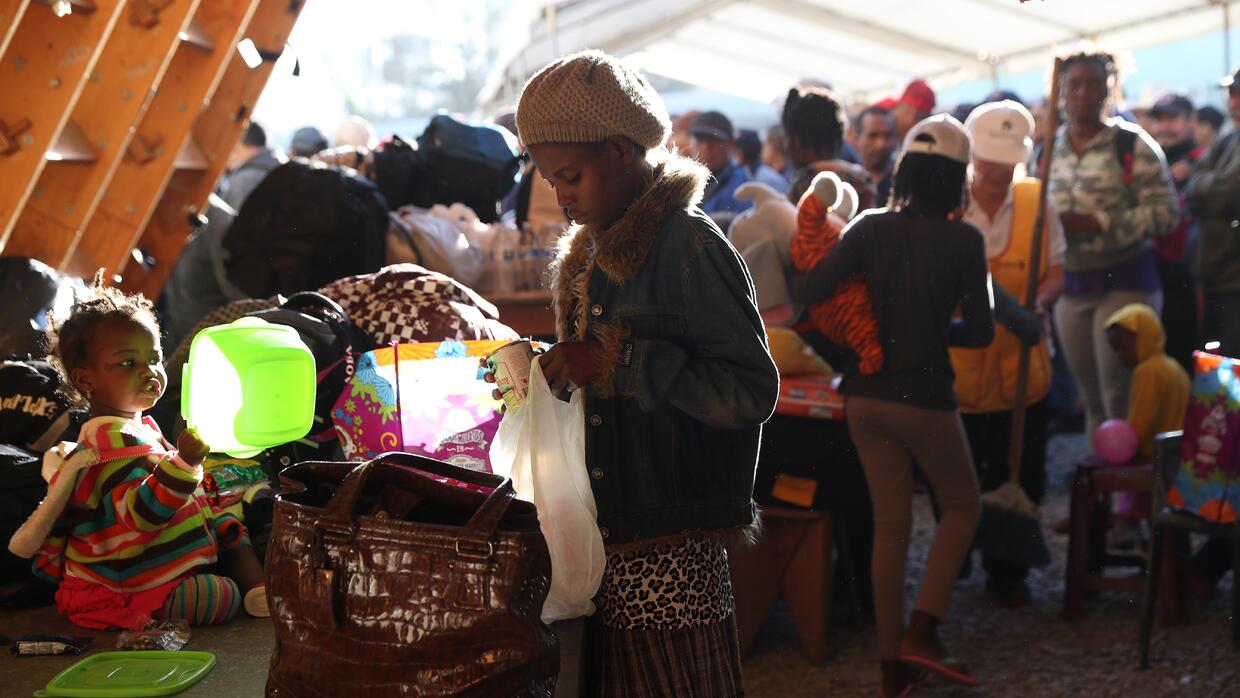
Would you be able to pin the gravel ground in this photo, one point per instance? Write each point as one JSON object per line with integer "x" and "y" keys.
{"x": 1024, "y": 652}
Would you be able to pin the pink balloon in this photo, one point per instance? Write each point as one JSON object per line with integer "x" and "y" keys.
{"x": 1115, "y": 441}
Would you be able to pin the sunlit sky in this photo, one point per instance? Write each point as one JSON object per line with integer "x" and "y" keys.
{"x": 340, "y": 46}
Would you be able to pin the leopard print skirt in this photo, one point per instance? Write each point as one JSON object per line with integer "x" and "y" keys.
{"x": 670, "y": 586}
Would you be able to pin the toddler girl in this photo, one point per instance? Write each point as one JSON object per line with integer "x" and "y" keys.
{"x": 132, "y": 535}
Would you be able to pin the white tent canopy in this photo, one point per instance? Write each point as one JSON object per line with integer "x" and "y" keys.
{"x": 864, "y": 48}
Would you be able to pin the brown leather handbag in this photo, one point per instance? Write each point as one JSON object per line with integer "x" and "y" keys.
{"x": 385, "y": 581}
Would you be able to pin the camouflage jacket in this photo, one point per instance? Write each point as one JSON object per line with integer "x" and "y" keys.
{"x": 1130, "y": 212}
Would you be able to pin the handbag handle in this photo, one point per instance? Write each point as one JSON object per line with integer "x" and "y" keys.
{"x": 478, "y": 530}
{"x": 315, "y": 300}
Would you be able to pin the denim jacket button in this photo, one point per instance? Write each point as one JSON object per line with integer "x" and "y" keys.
{"x": 596, "y": 473}
{"x": 596, "y": 310}
{"x": 603, "y": 532}
{"x": 595, "y": 420}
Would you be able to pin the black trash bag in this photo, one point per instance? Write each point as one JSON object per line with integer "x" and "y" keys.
{"x": 305, "y": 225}
{"x": 398, "y": 169}
{"x": 472, "y": 164}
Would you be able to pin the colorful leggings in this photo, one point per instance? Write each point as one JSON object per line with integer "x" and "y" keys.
{"x": 203, "y": 599}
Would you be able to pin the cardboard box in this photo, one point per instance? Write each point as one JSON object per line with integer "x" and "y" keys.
{"x": 810, "y": 396}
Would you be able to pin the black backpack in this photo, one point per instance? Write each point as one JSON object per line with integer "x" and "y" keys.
{"x": 21, "y": 489}
{"x": 33, "y": 412}
{"x": 325, "y": 328}
{"x": 472, "y": 164}
{"x": 30, "y": 289}
{"x": 304, "y": 226}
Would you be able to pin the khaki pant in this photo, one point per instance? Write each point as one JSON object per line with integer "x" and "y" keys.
{"x": 888, "y": 436}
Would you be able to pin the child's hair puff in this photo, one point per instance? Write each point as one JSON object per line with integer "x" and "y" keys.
{"x": 69, "y": 340}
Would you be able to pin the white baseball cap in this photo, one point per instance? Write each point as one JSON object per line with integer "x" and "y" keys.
{"x": 939, "y": 135}
{"x": 1002, "y": 132}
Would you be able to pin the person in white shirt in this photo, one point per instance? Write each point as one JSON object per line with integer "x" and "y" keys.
{"x": 1003, "y": 206}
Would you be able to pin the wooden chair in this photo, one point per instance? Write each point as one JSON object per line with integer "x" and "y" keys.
{"x": 1165, "y": 522}
{"x": 792, "y": 559}
{"x": 1088, "y": 558}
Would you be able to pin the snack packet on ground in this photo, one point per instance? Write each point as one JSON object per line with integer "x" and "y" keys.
{"x": 33, "y": 645}
{"x": 170, "y": 635}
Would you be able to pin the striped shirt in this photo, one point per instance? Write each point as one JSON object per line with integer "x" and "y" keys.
{"x": 138, "y": 518}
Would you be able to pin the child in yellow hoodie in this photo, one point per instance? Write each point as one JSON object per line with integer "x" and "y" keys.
{"x": 1157, "y": 396}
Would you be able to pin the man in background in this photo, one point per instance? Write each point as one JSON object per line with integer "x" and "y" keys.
{"x": 1212, "y": 200}
{"x": 248, "y": 164}
{"x": 682, "y": 124}
{"x": 915, "y": 103}
{"x": 1211, "y": 196}
{"x": 308, "y": 141}
{"x": 874, "y": 130}
{"x": 713, "y": 143}
{"x": 749, "y": 147}
{"x": 774, "y": 154}
{"x": 1209, "y": 124}
{"x": 1174, "y": 122}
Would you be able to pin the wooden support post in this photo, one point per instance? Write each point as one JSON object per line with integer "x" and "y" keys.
{"x": 114, "y": 99}
{"x": 216, "y": 131}
{"x": 140, "y": 179}
{"x": 43, "y": 70}
{"x": 11, "y": 12}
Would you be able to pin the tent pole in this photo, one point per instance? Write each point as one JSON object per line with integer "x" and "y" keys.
{"x": 1226, "y": 37}
{"x": 551, "y": 29}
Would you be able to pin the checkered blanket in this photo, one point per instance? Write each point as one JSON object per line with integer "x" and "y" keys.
{"x": 408, "y": 303}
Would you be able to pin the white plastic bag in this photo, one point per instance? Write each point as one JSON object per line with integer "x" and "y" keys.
{"x": 435, "y": 243}
{"x": 541, "y": 445}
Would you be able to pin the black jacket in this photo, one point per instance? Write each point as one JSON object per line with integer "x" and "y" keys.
{"x": 918, "y": 271}
{"x": 1213, "y": 195}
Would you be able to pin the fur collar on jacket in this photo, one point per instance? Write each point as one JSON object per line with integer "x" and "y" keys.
{"x": 620, "y": 250}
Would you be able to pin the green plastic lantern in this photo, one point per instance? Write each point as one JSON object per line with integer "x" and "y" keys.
{"x": 248, "y": 385}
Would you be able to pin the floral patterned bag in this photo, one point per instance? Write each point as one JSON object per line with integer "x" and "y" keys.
{"x": 428, "y": 399}
{"x": 1208, "y": 481}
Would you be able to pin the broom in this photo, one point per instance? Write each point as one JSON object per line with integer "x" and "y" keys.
{"x": 1009, "y": 527}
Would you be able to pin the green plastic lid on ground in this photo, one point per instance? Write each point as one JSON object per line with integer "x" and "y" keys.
{"x": 130, "y": 674}
{"x": 248, "y": 385}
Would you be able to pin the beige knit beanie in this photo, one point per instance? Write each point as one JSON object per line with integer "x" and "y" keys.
{"x": 589, "y": 97}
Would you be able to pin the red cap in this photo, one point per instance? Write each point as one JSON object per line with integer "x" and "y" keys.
{"x": 887, "y": 103}
{"x": 919, "y": 96}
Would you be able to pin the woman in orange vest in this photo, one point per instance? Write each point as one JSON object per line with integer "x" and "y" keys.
{"x": 1004, "y": 209}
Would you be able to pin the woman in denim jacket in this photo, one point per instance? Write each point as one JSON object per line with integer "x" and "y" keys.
{"x": 656, "y": 321}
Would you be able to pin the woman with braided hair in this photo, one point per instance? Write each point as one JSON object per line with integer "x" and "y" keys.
{"x": 920, "y": 263}
{"x": 1110, "y": 183}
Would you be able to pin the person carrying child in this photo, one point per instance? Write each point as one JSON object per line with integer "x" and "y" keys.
{"x": 657, "y": 322}
{"x": 920, "y": 265}
{"x": 128, "y": 529}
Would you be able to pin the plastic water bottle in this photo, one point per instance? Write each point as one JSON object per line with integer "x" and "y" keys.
{"x": 507, "y": 259}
